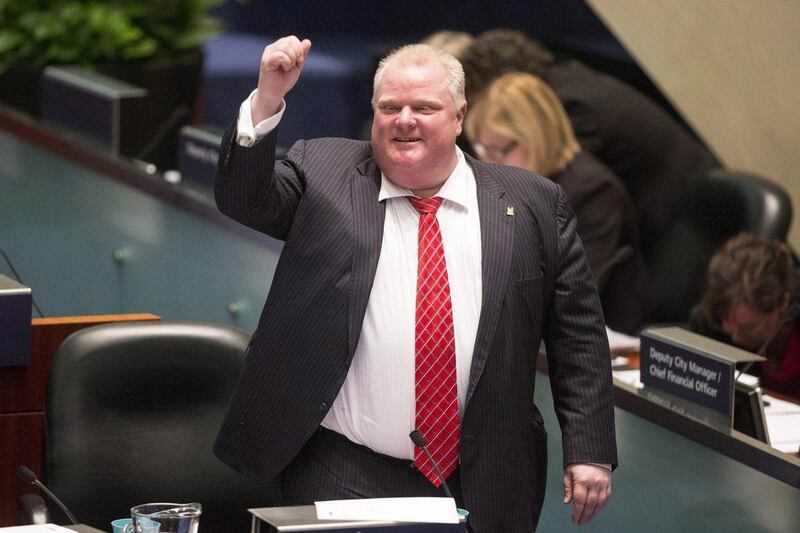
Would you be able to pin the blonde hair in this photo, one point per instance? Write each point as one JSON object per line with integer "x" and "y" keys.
{"x": 523, "y": 108}
{"x": 452, "y": 42}
{"x": 419, "y": 54}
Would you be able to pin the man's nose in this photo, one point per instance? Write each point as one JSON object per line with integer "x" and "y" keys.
{"x": 406, "y": 117}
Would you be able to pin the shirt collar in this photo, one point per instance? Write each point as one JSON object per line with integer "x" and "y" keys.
{"x": 454, "y": 188}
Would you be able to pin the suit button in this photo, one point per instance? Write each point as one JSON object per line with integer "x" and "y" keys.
{"x": 323, "y": 406}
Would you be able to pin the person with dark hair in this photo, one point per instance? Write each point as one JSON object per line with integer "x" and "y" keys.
{"x": 653, "y": 155}
{"x": 496, "y": 52}
{"x": 750, "y": 285}
{"x": 519, "y": 121}
{"x": 452, "y": 42}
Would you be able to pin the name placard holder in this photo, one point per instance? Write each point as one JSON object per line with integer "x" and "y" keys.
{"x": 95, "y": 106}
{"x": 198, "y": 153}
{"x": 15, "y": 316}
{"x": 692, "y": 367}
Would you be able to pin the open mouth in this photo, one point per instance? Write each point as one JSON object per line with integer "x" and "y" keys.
{"x": 407, "y": 139}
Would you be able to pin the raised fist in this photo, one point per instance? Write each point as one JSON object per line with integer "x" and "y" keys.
{"x": 281, "y": 64}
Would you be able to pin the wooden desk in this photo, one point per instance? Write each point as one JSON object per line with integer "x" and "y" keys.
{"x": 22, "y": 400}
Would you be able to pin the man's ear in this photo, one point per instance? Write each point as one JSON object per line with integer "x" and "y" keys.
{"x": 460, "y": 117}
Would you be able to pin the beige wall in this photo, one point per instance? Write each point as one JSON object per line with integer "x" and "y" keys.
{"x": 732, "y": 67}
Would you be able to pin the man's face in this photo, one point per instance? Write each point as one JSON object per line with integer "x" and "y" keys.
{"x": 749, "y": 328}
{"x": 415, "y": 126}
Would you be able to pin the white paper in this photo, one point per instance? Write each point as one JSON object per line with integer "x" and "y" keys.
{"x": 783, "y": 424}
{"x": 629, "y": 377}
{"x": 42, "y": 528}
{"x": 621, "y": 343}
{"x": 748, "y": 379}
{"x": 434, "y": 510}
{"x": 620, "y": 362}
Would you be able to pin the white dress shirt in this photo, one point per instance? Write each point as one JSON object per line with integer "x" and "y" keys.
{"x": 246, "y": 133}
{"x": 376, "y": 405}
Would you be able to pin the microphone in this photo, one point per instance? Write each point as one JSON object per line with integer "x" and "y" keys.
{"x": 178, "y": 114}
{"x": 790, "y": 314}
{"x": 28, "y": 476}
{"x": 622, "y": 254}
{"x": 419, "y": 442}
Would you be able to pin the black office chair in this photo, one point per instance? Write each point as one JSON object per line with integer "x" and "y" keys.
{"x": 132, "y": 412}
{"x": 716, "y": 208}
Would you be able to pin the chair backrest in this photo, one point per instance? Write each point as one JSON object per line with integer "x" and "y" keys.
{"x": 132, "y": 412}
{"x": 716, "y": 208}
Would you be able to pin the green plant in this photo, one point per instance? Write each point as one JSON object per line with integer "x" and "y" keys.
{"x": 35, "y": 33}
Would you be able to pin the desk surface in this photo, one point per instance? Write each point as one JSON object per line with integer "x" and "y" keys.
{"x": 80, "y": 528}
{"x": 666, "y": 482}
{"x": 782, "y": 412}
{"x": 88, "y": 243}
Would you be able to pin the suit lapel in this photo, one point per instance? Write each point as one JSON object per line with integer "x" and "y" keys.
{"x": 368, "y": 215}
{"x": 497, "y": 233}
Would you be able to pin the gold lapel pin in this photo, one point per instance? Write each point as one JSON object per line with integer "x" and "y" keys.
{"x": 510, "y": 211}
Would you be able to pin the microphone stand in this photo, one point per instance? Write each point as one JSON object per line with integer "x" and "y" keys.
{"x": 419, "y": 442}
{"x": 28, "y": 476}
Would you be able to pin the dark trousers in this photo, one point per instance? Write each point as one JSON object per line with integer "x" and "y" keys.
{"x": 331, "y": 467}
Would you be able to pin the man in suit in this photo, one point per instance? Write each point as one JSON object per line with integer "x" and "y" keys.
{"x": 338, "y": 374}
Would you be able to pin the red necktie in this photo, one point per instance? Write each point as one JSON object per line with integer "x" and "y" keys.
{"x": 435, "y": 375}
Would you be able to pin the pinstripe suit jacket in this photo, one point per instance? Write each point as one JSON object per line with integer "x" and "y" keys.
{"x": 323, "y": 202}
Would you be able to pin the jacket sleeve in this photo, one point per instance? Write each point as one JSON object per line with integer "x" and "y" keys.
{"x": 577, "y": 352}
{"x": 255, "y": 190}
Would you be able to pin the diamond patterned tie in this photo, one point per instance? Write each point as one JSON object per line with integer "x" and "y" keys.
{"x": 435, "y": 375}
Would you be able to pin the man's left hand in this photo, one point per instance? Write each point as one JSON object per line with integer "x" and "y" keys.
{"x": 588, "y": 488}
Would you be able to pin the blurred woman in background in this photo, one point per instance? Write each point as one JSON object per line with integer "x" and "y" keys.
{"x": 519, "y": 121}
